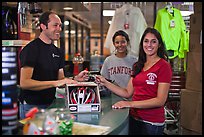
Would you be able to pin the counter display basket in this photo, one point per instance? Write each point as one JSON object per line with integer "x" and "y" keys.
{"x": 82, "y": 97}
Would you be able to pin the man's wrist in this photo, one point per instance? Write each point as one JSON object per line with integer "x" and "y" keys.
{"x": 75, "y": 78}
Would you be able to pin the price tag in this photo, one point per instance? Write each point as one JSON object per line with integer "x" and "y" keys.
{"x": 172, "y": 23}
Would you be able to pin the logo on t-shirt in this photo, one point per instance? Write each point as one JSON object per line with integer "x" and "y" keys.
{"x": 54, "y": 55}
{"x": 151, "y": 78}
{"x": 120, "y": 70}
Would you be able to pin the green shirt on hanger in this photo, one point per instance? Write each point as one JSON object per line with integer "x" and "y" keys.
{"x": 173, "y": 31}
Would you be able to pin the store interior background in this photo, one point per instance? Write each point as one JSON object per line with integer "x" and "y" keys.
{"x": 87, "y": 32}
{"x": 90, "y": 12}
{"x": 88, "y": 26}
{"x": 90, "y": 15}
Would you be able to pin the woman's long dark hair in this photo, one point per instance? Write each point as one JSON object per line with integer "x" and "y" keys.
{"x": 137, "y": 67}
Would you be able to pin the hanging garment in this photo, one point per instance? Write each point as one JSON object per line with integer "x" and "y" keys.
{"x": 131, "y": 20}
{"x": 173, "y": 31}
{"x": 184, "y": 45}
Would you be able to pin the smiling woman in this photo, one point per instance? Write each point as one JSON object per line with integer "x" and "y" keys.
{"x": 148, "y": 86}
{"x": 118, "y": 66}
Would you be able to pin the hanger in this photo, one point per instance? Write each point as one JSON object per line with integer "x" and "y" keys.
{"x": 169, "y": 7}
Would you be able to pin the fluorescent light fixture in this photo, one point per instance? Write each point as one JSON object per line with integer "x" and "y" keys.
{"x": 68, "y": 8}
{"x": 89, "y": 2}
{"x": 187, "y": 3}
{"x": 186, "y": 13}
{"x": 108, "y": 12}
{"x": 94, "y": 2}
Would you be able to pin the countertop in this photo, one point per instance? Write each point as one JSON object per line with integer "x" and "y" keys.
{"x": 116, "y": 119}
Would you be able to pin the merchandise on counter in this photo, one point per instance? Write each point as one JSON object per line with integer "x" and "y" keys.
{"x": 49, "y": 122}
{"x": 82, "y": 97}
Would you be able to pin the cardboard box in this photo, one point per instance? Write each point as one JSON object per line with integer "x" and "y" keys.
{"x": 195, "y": 23}
{"x": 195, "y": 43}
{"x": 194, "y": 71}
{"x": 198, "y": 7}
{"x": 183, "y": 131}
{"x": 83, "y": 97}
{"x": 191, "y": 110}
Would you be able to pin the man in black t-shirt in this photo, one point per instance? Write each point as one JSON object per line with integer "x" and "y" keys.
{"x": 42, "y": 67}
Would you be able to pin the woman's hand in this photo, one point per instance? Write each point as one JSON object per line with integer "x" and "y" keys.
{"x": 101, "y": 80}
{"x": 121, "y": 104}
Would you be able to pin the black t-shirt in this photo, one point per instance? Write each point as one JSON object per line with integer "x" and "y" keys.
{"x": 46, "y": 59}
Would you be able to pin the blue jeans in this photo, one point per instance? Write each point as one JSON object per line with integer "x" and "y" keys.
{"x": 141, "y": 128}
{"x": 24, "y": 108}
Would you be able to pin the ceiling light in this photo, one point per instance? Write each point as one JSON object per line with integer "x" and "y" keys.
{"x": 187, "y": 3}
{"x": 186, "y": 13}
{"x": 108, "y": 12}
{"x": 68, "y": 8}
{"x": 89, "y": 2}
{"x": 67, "y": 31}
{"x": 66, "y": 22}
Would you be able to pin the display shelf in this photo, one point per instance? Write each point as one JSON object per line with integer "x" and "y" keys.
{"x": 14, "y": 42}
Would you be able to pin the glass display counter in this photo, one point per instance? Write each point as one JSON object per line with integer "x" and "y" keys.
{"x": 116, "y": 119}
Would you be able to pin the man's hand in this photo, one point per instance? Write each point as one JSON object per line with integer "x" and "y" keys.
{"x": 82, "y": 76}
{"x": 62, "y": 82}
